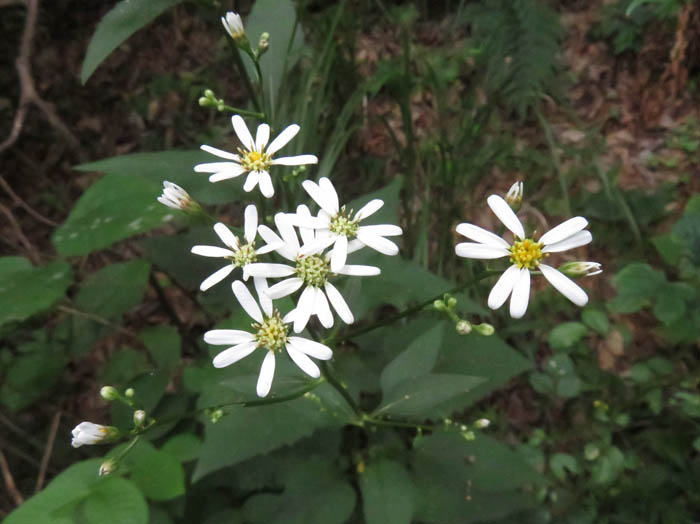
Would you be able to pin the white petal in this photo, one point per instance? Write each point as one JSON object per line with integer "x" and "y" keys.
{"x": 212, "y": 251}
{"x": 339, "y": 255}
{"x": 304, "y": 309}
{"x": 564, "y": 230}
{"x": 339, "y": 304}
{"x": 233, "y": 354}
{"x": 322, "y": 309}
{"x": 318, "y": 245}
{"x": 226, "y": 236}
{"x": 282, "y": 139}
{"x": 564, "y": 285}
{"x": 262, "y": 137}
{"x": 269, "y": 248}
{"x": 310, "y": 222}
{"x": 261, "y": 288}
{"x": 303, "y": 362}
{"x": 359, "y": 271}
{"x": 242, "y": 131}
{"x": 506, "y": 215}
{"x": 481, "y": 236}
{"x": 576, "y": 240}
{"x": 369, "y": 208}
{"x": 321, "y": 197}
{"x": 284, "y": 288}
{"x": 217, "y": 167}
{"x": 329, "y": 190}
{"x": 273, "y": 239}
{"x": 266, "y": 187}
{"x": 289, "y": 317}
{"x": 267, "y": 373}
{"x": 286, "y": 229}
{"x": 221, "y": 153}
{"x": 383, "y": 230}
{"x": 311, "y": 348}
{"x": 250, "y": 222}
{"x": 216, "y": 277}
{"x": 381, "y": 244}
{"x": 225, "y": 175}
{"x": 354, "y": 245}
{"x": 263, "y": 269}
{"x": 480, "y": 251}
{"x": 299, "y": 160}
{"x": 501, "y": 291}
{"x": 220, "y": 337}
{"x": 251, "y": 181}
{"x": 521, "y": 294}
{"x": 247, "y": 301}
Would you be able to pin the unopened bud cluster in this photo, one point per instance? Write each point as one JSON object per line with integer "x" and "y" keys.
{"x": 447, "y": 305}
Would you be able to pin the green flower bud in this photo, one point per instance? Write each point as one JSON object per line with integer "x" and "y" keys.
{"x": 109, "y": 393}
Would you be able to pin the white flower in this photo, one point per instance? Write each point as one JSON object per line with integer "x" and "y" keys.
{"x": 311, "y": 270}
{"x": 525, "y": 254}
{"x": 87, "y": 433}
{"x": 239, "y": 255}
{"x": 255, "y": 159}
{"x": 270, "y": 333}
{"x": 234, "y": 25}
{"x": 175, "y": 197}
{"x": 341, "y": 228}
{"x": 515, "y": 194}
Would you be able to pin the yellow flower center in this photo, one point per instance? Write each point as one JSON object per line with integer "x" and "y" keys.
{"x": 341, "y": 224}
{"x": 255, "y": 160}
{"x": 526, "y": 253}
{"x": 245, "y": 255}
{"x": 313, "y": 270}
{"x": 271, "y": 333}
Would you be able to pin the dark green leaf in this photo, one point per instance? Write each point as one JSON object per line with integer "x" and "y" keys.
{"x": 417, "y": 359}
{"x": 114, "y": 289}
{"x": 183, "y": 446}
{"x": 163, "y": 343}
{"x": 157, "y": 473}
{"x": 636, "y": 285}
{"x": 115, "y": 500}
{"x": 566, "y": 335}
{"x": 596, "y": 320}
{"x": 561, "y": 463}
{"x": 31, "y": 377}
{"x": 127, "y": 17}
{"x": 388, "y": 493}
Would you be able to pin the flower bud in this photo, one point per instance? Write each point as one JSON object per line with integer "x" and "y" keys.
{"x": 130, "y": 393}
{"x": 264, "y": 43}
{"x": 439, "y": 305}
{"x": 233, "y": 24}
{"x": 177, "y": 198}
{"x": 514, "y": 196}
{"x": 581, "y": 269}
{"x": 451, "y": 302}
{"x": 108, "y": 467}
{"x": 484, "y": 329}
{"x": 87, "y": 433}
{"x": 204, "y": 102}
{"x": 109, "y": 393}
{"x": 482, "y": 423}
{"x": 469, "y": 436}
{"x": 463, "y": 327}
{"x": 208, "y": 93}
{"x": 139, "y": 417}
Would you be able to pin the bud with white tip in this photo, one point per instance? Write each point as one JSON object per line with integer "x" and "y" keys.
{"x": 139, "y": 418}
{"x": 482, "y": 423}
{"x": 176, "y": 198}
{"x": 109, "y": 393}
{"x": 581, "y": 269}
{"x": 87, "y": 433}
{"x": 514, "y": 196}
{"x": 108, "y": 467}
{"x": 234, "y": 25}
{"x": 463, "y": 327}
{"x": 484, "y": 329}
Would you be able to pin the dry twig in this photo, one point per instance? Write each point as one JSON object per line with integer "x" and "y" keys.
{"x": 47, "y": 452}
{"x": 9, "y": 480}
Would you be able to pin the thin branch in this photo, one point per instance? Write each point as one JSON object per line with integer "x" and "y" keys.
{"x": 16, "y": 198}
{"x": 10, "y": 481}
{"x": 47, "y": 452}
{"x": 32, "y": 253}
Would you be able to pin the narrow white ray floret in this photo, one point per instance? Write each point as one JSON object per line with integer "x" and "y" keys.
{"x": 88, "y": 433}
{"x": 338, "y": 227}
{"x": 175, "y": 197}
{"x": 525, "y": 255}
{"x": 311, "y": 270}
{"x": 269, "y": 333}
{"x": 236, "y": 253}
{"x": 255, "y": 158}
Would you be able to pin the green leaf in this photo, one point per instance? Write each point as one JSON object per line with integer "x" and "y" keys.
{"x": 123, "y": 366}
{"x": 112, "y": 209}
{"x": 670, "y": 305}
{"x": 417, "y": 359}
{"x": 127, "y": 17}
{"x": 114, "y": 289}
{"x": 27, "y": 290}
{"x": 541, "y": 382}
{"x": 608, "y": 467}
{"x": 163, "y": 343}
{"x": 417, "y": 396}
{"x": 31, "y": 377}
{"x": 566, "y": 335}
{"x": 115, "y": 501}
{"x": 388, "y": 493}
{"x": 596, "y": 320}
{"x": 568, "y": 386}
{"x": 636, "y": 285}
{"x": 157, "y": 473}
{"x": 183, "y": 446}
{"x": 278, "y": 18}
{"x": 173, "y": 166}
{"x": 561, "y": 463}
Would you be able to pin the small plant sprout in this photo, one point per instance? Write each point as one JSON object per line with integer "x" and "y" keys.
{"x": 177, "y": 198}
{"x": 269, "y": 333}
{"x": 341, "y": 228}
{"x": 526, "y": 254}
{"x": 514, "y": 196}
{"x": 311, "y": 270}
{"x": 237, "y": 253}
{"x": 255, "y": 158}
{"x": 87, "y": 433}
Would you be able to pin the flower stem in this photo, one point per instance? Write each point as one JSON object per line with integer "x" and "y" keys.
{"x": 333, "y": 381}
{"x": 243, "y": 112}
{"x": 244, "y": 75}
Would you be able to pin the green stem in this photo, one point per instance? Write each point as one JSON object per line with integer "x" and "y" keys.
{"x": 243, "y": 112}
{"x": 333, "y": 381}
{"x": 262, "y": 84}
{"x": 244, "y": 74}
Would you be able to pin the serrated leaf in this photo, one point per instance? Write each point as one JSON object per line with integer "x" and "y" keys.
{"x": 127, "y": 17}
{"x": 112, "y": 209}
{"x": 388, "y": 493}
{"x": 416, "y": 360}
{"x": 115, "y": 500}
{"x": 27, "y": 290}
{"x": 173, "y": 166}
{"x": 114, "y": 289}
{"x": 417, "y": 396}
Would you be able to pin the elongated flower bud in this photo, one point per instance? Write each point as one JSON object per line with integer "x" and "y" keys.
{"x": 514, "y": 196}
{"x": 87, "y": 433}
{"x": 581, "y": 269}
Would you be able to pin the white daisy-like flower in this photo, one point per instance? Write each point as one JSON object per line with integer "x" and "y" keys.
{"x": 233, "y": 24}
{"x": 255, "y": 159}
{"x": 525, "y": 254}
{"x": 87, "y": 433}
{"x": 175, "y": 197}
{"x": 311, "y": 270}
{"x": 238, "y": 254}
{"x": 270, "y": 333}
{"x": 341, "y": 228}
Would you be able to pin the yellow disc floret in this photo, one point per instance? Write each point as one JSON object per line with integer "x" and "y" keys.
{"x": 313, "y": 270}
{"x": 255, "y": 160}
{"x": 271, "y": 333}
{"x": 245, "y": 255}
{"x": 526, "y": 253}
{"x": 342, "y": 224}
